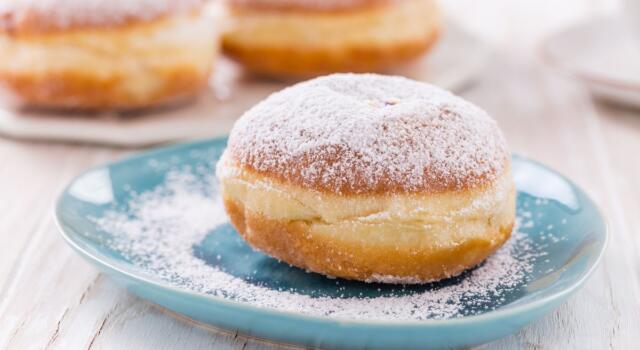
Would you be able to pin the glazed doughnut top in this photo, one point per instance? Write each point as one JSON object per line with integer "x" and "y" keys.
{"x": 370, "y": 134}
{"x": 310, "y": 5}
{"x": 50, "y": 15}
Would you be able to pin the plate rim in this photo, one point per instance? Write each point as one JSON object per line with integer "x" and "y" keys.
{"x": 545, "y": 54}
{"x": 499, "y": 313}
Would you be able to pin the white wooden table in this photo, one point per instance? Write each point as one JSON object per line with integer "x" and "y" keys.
{"x": 51, "y": 298}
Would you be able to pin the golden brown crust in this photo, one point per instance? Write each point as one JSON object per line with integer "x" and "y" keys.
{"x": 301, "y": 63}
{"x": 318, "y": 6}
{"x": 359, "y": 185}
{"x": 22, "y": 20}
{"x": 82, "y": 91}
{"x": 295, "y": 243}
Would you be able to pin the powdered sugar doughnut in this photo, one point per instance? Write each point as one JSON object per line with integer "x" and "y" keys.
{"x": 105, "y": 54}
{"x": 307, "y": 38}
{"x": 371, "y": 178}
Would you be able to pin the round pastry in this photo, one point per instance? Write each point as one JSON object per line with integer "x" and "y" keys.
{"x": 369, "y": 177}
{"x": 295, "y": 38}
{"x": 105, "y": 54}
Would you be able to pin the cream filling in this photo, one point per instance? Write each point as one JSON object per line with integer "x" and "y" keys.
{"x": 286, "y": 202}
{"x": 404, "y": 21}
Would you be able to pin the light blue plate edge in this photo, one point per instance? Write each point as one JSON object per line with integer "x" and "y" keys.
{"x": 324, "y": 332}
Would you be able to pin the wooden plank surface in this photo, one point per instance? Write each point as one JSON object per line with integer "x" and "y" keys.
{"x": 51, "y": 298}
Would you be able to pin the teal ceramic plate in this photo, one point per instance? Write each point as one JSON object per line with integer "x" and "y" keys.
{"x": 152, "y": 223}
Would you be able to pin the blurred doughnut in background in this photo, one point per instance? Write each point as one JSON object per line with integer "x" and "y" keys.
{"x": 105, "y": 54}
{"x": 296, "y": 38}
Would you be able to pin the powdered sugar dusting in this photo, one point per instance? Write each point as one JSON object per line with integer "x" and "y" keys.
{"x": 349, "y": 133}
{"x": 69, "y": 13}
{"x": 159, "y": 230}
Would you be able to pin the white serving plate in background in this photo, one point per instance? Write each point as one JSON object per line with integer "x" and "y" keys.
{"x": 456, "y": 59}
{"x": 604, "y": 54}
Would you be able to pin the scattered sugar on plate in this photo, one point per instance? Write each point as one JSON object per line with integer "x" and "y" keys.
{"x": 158, "y": 230}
